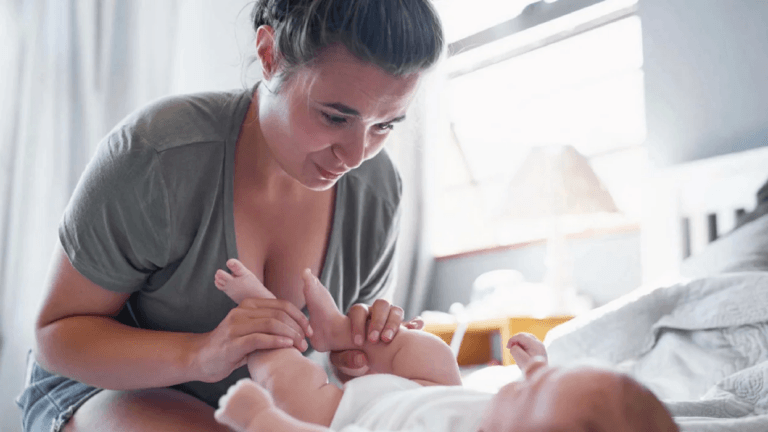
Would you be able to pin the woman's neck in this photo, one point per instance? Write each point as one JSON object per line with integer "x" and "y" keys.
{"x": 256, "y": 169}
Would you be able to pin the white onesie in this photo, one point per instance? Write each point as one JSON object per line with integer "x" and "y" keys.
{"x": 384, "y": 402}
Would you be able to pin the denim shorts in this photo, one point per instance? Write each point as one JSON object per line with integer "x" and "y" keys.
{"x": 48, "y": 401}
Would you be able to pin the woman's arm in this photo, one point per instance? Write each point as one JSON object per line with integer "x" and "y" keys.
{"x": 78, "y": 337}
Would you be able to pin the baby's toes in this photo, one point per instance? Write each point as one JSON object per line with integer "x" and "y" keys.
{"x": 221, "y": 279}
{"x": 237, "y": 268}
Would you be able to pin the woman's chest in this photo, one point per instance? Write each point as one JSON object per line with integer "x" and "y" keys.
{"x": 278, "y": 243}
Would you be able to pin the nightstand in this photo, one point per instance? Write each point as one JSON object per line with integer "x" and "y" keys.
{"x": 483, "y": 337}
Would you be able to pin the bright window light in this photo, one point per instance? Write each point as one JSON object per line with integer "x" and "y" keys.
{"x": 462, "y": 18}
{"x": 586, "y": 91}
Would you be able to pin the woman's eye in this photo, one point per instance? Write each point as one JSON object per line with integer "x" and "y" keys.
{"x": 385, "y": 127}
{"x": 333, "y": 119}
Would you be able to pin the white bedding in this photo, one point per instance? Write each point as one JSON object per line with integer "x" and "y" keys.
{"x": 701, "y": 346}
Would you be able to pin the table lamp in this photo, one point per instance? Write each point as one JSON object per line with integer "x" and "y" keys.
{"x": 552, "y": 183}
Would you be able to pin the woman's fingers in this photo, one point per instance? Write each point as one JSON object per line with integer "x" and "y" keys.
{"x": 393, "y": 323}
{"x": 295, "y": 315}
{"x": 351, "y": 362}
{"x": 277, "y": 323}
{"x": 278, "y": 316}
{"x": 383, "y": 322}
{"x": 379, "y": 314}
{"x": 261, "y": 341}
{"x": 358, "y": 316}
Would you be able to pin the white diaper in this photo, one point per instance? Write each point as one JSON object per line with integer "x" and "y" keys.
{"x": 384, "y": 402}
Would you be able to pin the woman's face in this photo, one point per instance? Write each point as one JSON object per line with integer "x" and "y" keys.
{"x": 327, "y": 118}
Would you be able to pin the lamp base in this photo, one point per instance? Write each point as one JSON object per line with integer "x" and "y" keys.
{"x": 559, "y": 277}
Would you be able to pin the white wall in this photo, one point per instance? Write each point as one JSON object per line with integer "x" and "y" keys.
{"x": 605, "y": 267}
{"x": 213, "y": 40}
{"x": 705, "y": 77}
{"x": 706, "y": 95}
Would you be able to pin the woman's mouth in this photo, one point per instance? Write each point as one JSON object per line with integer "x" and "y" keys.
{"x": 328, "y": 175}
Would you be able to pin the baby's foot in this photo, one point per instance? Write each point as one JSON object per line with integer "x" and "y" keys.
{"x": 324, "y": 316}
{"x": 241, "y": 284}
{"x": 241, "y": 406}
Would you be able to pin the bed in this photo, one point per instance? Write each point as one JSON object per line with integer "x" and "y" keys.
{"x": 690, "y": 205}
{"x": 696, "y": 332}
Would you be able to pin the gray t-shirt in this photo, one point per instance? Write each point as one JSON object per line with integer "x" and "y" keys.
{"x": 152, "y": 215}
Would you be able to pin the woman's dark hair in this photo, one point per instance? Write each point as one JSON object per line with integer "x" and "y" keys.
{"x": 400, "y": 36}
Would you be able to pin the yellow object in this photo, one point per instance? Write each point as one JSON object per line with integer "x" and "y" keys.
{"x": 476, "y": 347}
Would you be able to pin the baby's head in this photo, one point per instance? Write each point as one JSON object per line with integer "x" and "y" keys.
{"x": 576, "y": 399}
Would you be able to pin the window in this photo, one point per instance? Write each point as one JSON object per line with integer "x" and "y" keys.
{"x": 576, "y": 79}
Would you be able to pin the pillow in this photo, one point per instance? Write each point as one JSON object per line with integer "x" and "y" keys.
{"x": 743, "y": 249}
{"x": 761, "y": 207}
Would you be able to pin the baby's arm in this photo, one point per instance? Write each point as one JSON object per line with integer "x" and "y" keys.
{"x": 246, "y": 407}
{"x": 525, "y": 349}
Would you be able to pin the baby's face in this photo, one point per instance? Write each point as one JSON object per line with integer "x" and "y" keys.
{"x": 553, "y": 399}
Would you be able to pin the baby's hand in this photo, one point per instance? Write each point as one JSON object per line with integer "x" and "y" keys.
{"x": 524, "y": 347}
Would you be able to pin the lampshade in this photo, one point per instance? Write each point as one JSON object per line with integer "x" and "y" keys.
{"x": 555, "y": 181}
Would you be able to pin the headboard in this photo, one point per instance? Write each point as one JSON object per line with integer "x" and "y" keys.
{"x": 689, "y": 205}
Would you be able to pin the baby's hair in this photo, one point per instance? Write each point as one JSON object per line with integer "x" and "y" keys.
{"x": 400, "y": 36}
{"x": 637, "y": 405}
{"x": 643, "y": 409}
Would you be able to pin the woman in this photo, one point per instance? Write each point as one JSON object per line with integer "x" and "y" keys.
{"x": 286, "y": 176}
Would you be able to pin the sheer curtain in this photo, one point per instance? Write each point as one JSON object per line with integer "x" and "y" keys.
{"x": 75, "y": 66}
{"x": 73, "y": 69}
{"x": 413, "y": 149}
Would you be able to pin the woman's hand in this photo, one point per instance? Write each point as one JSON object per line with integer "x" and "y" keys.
{"x": 383, "y": 321}
{"x": 255, "y": 324}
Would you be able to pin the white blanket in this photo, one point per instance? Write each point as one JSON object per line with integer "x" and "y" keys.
{"x": 701, "y": 346}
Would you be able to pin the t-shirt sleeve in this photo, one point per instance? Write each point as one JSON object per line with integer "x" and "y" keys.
{"x": 381, "y": 281}
{"x": 115, "y": 229}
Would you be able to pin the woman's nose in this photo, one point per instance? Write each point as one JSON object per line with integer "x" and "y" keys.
{"x": 351, "y": 152}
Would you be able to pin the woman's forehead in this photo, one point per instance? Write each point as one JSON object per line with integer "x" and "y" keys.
{"x": 366, "y": 89}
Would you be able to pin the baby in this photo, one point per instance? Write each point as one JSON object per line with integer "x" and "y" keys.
{"x": 415, "y": 384}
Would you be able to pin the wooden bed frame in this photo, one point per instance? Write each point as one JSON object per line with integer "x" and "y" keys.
{"x": 689, "y": 205}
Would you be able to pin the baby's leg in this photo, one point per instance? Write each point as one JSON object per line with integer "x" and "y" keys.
{"x": 298, "y": 386}
{"x": 246, "y": 407}
{"x": 412, "y": 354}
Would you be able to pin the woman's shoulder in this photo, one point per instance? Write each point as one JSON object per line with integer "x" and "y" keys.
{"x": 378, "y": 177}
{"x": 182, "y": 119}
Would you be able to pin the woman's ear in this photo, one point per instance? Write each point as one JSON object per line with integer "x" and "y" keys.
{"x": 265, "y": 50}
